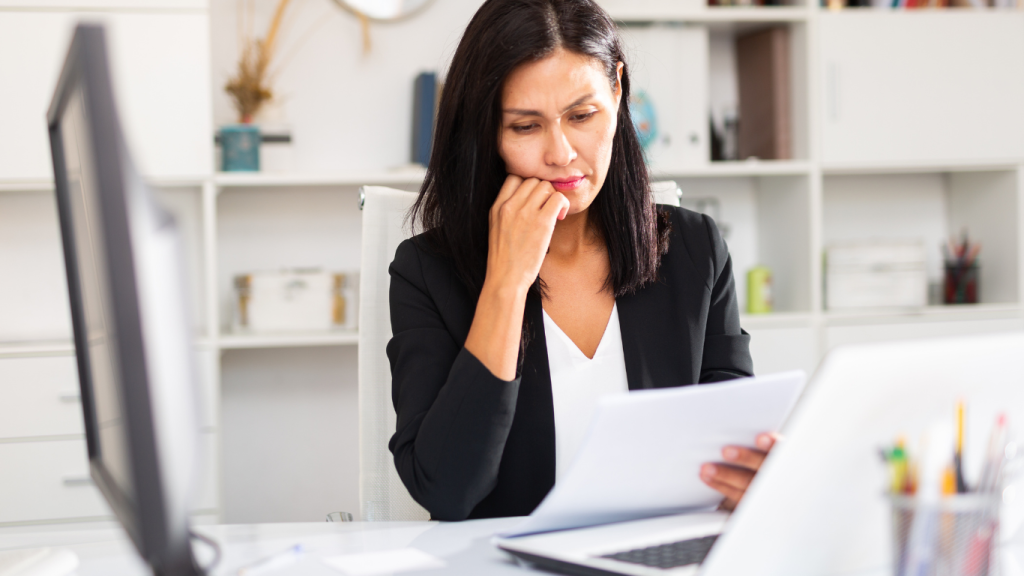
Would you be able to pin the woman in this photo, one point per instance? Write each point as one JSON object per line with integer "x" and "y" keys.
{"x": 545, "y": 277}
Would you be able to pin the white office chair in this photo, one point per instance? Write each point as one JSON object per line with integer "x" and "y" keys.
{"x": 382, "y": 496}
{"x": 666, "y": 192}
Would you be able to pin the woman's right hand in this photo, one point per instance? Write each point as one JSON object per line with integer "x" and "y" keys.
{"x": 522, "y": 220}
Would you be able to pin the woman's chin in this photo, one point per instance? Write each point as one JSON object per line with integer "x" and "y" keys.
{"x": 579, "y": 200}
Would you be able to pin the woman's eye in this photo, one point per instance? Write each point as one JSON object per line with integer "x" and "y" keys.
{"x": 523, "y": 129}
{"x": 583, "y": 117}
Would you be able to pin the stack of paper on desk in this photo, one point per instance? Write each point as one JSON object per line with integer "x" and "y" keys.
{"x": 643, "y": 453}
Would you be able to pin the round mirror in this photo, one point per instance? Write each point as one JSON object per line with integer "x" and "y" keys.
{"x": 384, "y": 9}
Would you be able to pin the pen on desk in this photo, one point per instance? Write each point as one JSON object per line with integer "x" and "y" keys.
{"x": 273, "y": 562}
{"x": 958, "y": 455}
{"x": 992, "y": 471}
{"x": 898, "y": 462}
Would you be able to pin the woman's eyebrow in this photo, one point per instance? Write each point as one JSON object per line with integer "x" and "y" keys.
{"x": 521, "y": 112}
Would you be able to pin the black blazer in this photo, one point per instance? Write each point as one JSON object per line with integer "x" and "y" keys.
{"x": 469, "y": 445}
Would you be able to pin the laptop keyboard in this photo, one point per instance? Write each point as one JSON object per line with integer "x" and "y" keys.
{"x": 671, "y": 555}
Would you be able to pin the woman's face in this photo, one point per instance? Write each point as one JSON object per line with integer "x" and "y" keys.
{"x": 558, "y": 122}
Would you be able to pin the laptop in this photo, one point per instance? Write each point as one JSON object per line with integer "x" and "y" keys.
{"x": 817, "y": 507}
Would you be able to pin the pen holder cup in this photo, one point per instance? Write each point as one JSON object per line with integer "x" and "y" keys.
{"x": 960, "y": 284}
{"x": 955, "y": 536}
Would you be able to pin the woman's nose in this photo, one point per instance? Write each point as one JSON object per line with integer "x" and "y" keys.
{"x": 560, "y": 152}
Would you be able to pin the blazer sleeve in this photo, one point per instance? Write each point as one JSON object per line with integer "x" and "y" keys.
{"x": 726, "y": 345}
{"x": 453, "y": 414}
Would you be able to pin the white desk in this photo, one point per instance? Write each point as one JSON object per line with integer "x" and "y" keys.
{"x": 465, "y": 546}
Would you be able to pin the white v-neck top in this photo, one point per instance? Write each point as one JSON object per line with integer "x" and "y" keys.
{"x": 577, "y": 382}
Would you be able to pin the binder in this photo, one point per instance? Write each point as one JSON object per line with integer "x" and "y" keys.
{"x": 763, "y": 66}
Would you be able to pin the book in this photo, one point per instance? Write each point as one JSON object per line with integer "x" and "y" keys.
{"x": 424, "y": 106}
{"x": 763, "y": 67}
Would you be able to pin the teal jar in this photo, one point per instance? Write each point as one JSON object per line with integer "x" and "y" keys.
{"x": 240, "y": 148}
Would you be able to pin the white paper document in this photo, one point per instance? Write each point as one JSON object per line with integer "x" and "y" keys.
{"x": 642, "y": 455}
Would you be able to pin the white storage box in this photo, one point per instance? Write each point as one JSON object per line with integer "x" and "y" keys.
{"x": 881, "y": 274}
{"x": 298, "y": 300}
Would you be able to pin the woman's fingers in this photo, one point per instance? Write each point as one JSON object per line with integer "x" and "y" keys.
{"x": 522, "y": 194}
{"x": 745, "y": 457}
{"x": 718, "y": 477}
{"x": 556, "y": 206}
{"x": 539, "y": 195}
{"x": 512, "y": 183}
{"x": 510, "y": 191}
{"x": 725, "y": 474}
{"x": 767, "y": 440}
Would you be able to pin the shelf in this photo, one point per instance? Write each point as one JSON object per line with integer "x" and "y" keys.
{"x": 747, "y": 168}
{"x": 18, "y": 186}
{"x": 953, "y": 313}
{"x": 776, "y": 320}
{"x": 923, "y": 10}
{"x": 676, "y": 11}
{"x": 46, "y": 185}
{"x": 301, "y": 339}
{"x": 256, "y": 179}
{"x": 920, "y": 167}
{"x": 40, "y": 348}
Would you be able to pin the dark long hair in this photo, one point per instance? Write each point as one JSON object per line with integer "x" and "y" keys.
{"x": 466, "y": 171}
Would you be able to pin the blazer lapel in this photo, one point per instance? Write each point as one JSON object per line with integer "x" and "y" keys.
{"x": 535, "y": 392}
{"x": 655, "y": 345}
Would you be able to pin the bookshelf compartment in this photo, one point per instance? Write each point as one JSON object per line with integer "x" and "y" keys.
{"x": 274, "y": 401}
{"x": 724, "y": 88}
{"x": 765, "y": 220}
{"x": 266, "y": 229}
{"x": 932, "y": 207}
{"x": 911, "y": 95}
{"x": 33, "y": 293}
{"x": 668, "y": 63}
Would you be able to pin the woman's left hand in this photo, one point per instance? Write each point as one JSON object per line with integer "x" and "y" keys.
{"x": 733, "y": 477}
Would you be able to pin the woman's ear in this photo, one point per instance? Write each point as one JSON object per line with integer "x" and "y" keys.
{"x": 618, "y": 83}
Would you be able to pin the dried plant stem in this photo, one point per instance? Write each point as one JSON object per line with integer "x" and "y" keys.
{"x": 249, "y": 88}
{"x": 365, "y": 22}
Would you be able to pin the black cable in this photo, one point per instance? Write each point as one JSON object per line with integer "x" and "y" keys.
{"x": 212, "y": 544}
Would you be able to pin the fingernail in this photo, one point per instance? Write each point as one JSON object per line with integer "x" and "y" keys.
{"x": 708, "y": 471}
{"x": 730, "y": 453}
{"x": 764, "y": 442}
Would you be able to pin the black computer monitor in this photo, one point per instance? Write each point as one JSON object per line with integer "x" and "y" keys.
{"x": 132, "y": 338}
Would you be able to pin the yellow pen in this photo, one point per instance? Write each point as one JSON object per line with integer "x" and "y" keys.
{"x": 898, "y": 461}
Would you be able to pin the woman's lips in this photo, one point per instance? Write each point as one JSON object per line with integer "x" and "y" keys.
{"x": 567, "y": 184}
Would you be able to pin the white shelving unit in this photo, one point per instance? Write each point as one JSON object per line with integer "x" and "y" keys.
{"x": 780, "y": 213}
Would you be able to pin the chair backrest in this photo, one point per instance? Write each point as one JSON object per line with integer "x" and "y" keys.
{"x": 666, "y": 192}
{"x": 382, "y": 496}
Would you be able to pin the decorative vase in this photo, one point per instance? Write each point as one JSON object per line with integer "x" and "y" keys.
{"x": 240, "y": 148}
